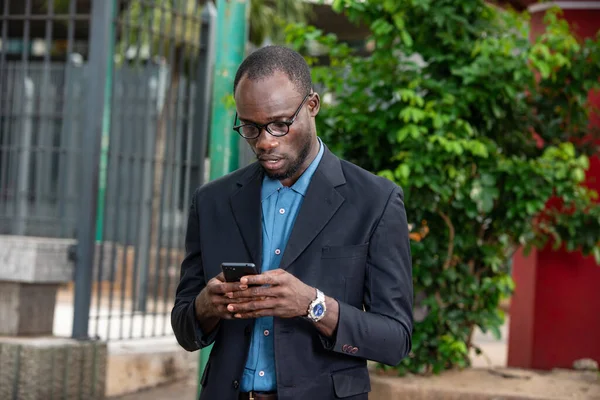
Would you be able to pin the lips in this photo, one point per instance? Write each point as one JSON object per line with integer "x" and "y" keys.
{"x": 269, "y": 159}
{"x": 270, "y": 162}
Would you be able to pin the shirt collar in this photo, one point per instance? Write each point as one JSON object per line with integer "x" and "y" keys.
{"x": 270, "y": 186}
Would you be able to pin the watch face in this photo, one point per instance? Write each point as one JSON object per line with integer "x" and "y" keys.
{"x": 318, "y": 310}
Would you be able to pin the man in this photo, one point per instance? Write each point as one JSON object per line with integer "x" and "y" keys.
{"x": 330, "y": 239}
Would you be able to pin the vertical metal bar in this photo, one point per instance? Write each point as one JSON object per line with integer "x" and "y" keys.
{"x": 24, "y": 149}
{"x": 113, "y": 195}
{"x": 25, "y": 153}
{"x": 148, "y": 179}
{"x": 122, "y": 154}
{"x": 204, "y": 78}
{"x": 5, "y": 11}
{"x": 106, "y": 118}
{"x": 188, "y": 119}
{"x": 105, "y": 148}
{"x": 101, "y": 22}
{"x": 165, "y": 183}
{"x": 177, "y": 161}
{"x": 231, "y": 42}
{"x": 14, "y": 127}
{"x": 155, "y": 166}
{"x": 44, "y": 161}
{"x": 138, "y": 138}
{"x": 142, "y": 101}
{"x": 130, "y": 168}
{"x": 188, "y": 163}
{"x": 64, "y": 170}
{"x": 5, "y": 177}
{"x": 146, "y": 203}
{"x": 4, "y": 112}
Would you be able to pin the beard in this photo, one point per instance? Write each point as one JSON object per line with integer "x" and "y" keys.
{"x": 294, "y": 165}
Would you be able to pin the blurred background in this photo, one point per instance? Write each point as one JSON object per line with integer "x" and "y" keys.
{"x": 112, "y": 112}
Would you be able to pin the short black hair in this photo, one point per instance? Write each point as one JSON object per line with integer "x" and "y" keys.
{"x": 267, "y": 60}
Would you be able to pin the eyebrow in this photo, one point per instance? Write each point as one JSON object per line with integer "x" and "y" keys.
{"x": 270, "y": 119}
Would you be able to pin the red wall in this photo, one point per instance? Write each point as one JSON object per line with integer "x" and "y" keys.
{"x": 555, "y": 311}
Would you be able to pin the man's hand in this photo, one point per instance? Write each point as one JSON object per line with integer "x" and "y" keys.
{"x": 285, "y": 296}
{"x": 212, "y": 303}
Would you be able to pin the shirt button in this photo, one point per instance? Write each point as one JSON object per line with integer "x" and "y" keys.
{"x": 281, "y": 211}
{"x": 266, "y": 332}
{"x": 235, "y": 384}
{"x": 261, "y": 373}
{"x": 277, "y": 251}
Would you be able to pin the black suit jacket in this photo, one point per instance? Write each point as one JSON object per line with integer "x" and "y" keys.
{"x": 350, "y": 240}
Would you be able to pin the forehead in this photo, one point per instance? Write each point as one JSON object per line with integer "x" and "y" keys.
{"x": 260, "y": 99}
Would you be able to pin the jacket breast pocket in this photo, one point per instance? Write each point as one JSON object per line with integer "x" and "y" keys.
{"x": 343, "y": 268}
{"x": 351, "y": 382}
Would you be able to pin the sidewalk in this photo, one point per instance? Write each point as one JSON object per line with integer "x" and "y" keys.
{"x": 182, "y": 390}
{"x": 494, "y": 355}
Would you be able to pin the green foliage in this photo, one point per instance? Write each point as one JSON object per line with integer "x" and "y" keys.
{"x": 268, "y": 18}
{"x": 486, "y": 132}
{"x": 180, "y": 22}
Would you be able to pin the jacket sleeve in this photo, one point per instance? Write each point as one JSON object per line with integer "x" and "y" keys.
{"x": 192, "y": 281}
{"x": 382, "y": 331}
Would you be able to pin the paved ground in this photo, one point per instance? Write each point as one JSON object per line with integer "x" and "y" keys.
{"x": 183, "y": 390}
{"x": 494, "y": 356}
{"x": 477, "y": 383}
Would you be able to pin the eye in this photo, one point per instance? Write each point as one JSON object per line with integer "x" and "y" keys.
{"x": 278, "y": 127}
{"x": 248, "y": 130}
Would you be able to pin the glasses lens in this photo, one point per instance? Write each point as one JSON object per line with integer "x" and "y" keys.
{"x": 278, "y": 128}
{"x": 249, "y": 131}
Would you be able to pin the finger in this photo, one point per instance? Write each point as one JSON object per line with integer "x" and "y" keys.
{"x": 227, "y": 287}
{"x": 266, "y": 278}
{"x": 241, "y": 308}
{"x": 220, "y": 277}
{"x": 222, "y": 300}
{"x": 255, "y": 314}
{"x": 257, "y": 291}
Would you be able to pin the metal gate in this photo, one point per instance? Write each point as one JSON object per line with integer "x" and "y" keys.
{"x": 103, "y": 124}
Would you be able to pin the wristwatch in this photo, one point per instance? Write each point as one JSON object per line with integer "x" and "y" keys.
{"x": 317, "y": 308}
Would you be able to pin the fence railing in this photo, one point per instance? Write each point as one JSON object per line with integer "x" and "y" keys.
{"x": 103, "y": 128}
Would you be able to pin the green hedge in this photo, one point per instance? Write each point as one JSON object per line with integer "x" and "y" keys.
{"x": 481, "y": 128}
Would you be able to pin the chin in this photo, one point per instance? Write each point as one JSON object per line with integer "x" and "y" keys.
{"x": 277, "y": 175}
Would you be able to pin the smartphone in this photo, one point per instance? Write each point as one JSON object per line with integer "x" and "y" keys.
{"x": 233, "y": 272}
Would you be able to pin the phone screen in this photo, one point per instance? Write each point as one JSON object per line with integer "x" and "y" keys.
{"x": 233, "y": 272}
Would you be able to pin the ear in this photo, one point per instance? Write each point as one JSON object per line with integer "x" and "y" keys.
{"x": 314, "y": 104}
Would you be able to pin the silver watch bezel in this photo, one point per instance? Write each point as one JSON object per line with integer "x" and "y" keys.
{"x": 320, "y": 299}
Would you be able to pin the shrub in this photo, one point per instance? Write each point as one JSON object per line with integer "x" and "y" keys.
{"x": 486, "y": 132}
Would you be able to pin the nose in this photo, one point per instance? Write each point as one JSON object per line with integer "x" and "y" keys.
{"x": 265, "y": 141}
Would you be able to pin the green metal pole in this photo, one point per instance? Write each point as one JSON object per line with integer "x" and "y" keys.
{"x": 106, "y": 128}
{"x": 232, "y": 35}
{"x": 231, "y": 41}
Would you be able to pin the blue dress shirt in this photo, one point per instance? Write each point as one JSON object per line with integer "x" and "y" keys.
{"x": 280, "y": 205}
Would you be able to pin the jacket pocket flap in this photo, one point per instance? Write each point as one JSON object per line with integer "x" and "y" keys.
{"x": 351, "y": 382}
{"x": 353, "y": 251}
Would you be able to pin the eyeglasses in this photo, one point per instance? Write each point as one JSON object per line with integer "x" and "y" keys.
{"x": 251, "y": 130}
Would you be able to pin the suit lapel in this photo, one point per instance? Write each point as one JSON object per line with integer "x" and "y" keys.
{"x": 321, "y": 202}
{"x": 245, "y": 205}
